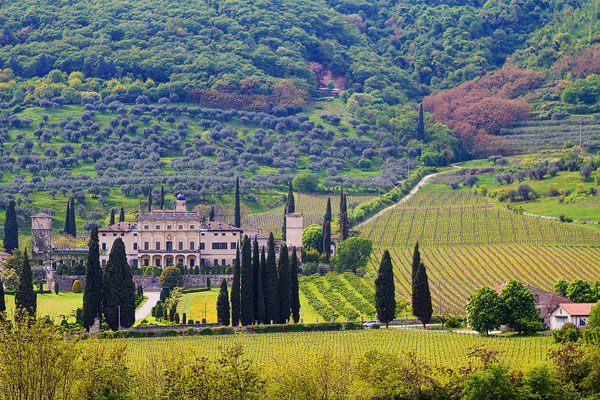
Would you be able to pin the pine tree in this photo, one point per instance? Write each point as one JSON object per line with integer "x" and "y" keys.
{"x": 247, "y": 291}
{"x": 150, "y": 200}
{"x": 122, "y": 215}
{"x": 67, "y": 229}
{"x": 385, "y": 297}
{"x": 284, "y": 285}
{"x": 294, "y": 288}
{"x": 162, "y": 198}
{"x": 223, "y": 304}
{"x": 238, "y": 214}
{"x": 92, "y": 295}
{"x": 11, "y": 229}
{"x": 235, "y": 291}
{"x": 72, "y": 222}
{"x": 25, "y": 297}
{"x": 260, "y": 301}
{"x": 421, "y": 125}
{"x": 271, "y": 284}
{"x": 255, "y": 274}
{"x": 2, "y": 301}
{"x": 118, "y": 289}
{"x": 421, "y": 296}
{"x": 112, "y": 217}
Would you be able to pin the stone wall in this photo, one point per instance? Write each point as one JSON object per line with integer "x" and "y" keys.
{"x": 65, "y": 282}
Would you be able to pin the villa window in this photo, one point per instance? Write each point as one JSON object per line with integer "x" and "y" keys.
{"x": 191, "y": 245}
{"x": 135, "y": 246}
{"x": 180, "y": 245}
{"x": 157, "y": 245}
{"x": 146, "y": 246}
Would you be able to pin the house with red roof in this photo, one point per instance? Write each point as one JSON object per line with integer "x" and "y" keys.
{"x": 574, "y": 313}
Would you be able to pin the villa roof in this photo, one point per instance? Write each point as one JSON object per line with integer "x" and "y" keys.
{"x": 126, "y": 226}
{"x": 577, "y": 308}
{"x": 545, "y": 301}
{"x": 41, "y": 215}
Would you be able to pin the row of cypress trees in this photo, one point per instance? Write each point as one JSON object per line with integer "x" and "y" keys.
{"x": 161, "y": 203}
{"x": 110, "y": 292}
{"x": 112, "y": 216}
{"x": 70, "y": 227}
{"x": 262, "y": 291}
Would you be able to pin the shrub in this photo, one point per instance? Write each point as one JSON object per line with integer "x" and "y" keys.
{"x": 176, "y": 318}
{"x": 206, "y": 331}
{"x": 184, "y": 319}
{"x": 56, "y": 288}
{"x": 190, "y": 322}
{"x": 77, "y": 287}
{"x": 375, "y": 326}
{"x": 349, "y": 326}
{"x": 168, "y": 333}
{"x": 190, "y": 332}
{"x": 567, "y": 333}
{"x": 224, "y": 330}
{"x": 453, "y": 322}
{"x": 171, "y": 277}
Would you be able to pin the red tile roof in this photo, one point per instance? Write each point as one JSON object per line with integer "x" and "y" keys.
{"x": 545, "y": 301}
{"x": 578, "y": 308}
{"x": 126, "y": 226}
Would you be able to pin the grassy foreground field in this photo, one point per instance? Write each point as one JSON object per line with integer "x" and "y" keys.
{"x": 438, "y": 348}
{"x": 53, "y": 305}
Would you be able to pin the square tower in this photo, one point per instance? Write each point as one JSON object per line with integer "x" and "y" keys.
{"x": 293, "y": 229}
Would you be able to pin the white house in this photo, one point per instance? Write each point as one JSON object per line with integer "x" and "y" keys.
{"x": 575, "y": 313}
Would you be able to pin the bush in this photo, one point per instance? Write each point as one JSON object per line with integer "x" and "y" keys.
{"x": 350, "y": 326}
{"x": 77, "y": 287}
{"x": 224, "y": 330}
{"x": 56, "y": 288}
{"x": 453, "y": 322}
{"x": 171, "y": 277}
{"x": 190, "y": 332}
{"x": 375, "y": 326}
{"x": 206, "y": 331}
{"x": 190, "y": 322}
{"x": 567, "y": 333}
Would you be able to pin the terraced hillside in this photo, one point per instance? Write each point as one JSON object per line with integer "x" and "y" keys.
{"x": 467, "y": 242}
{"x": 554, "y": 133}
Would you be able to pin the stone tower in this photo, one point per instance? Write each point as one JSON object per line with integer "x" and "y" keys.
{"x": 180, "y": 204}
{"x": 293, "y": 230}
{"x": 41, "y": 233}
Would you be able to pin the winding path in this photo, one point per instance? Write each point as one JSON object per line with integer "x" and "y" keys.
{"x": 146, "y": 308}
{"x": 405, "y": 198}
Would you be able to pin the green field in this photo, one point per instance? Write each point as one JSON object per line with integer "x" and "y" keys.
{"x": 437, "y": 348}
{"x": 53, "y": 305}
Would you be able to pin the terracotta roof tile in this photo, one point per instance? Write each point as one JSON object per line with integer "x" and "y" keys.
{"x": 119, "y": 227}
{"x": 578, "y": 308}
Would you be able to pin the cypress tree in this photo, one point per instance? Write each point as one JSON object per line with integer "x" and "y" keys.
{"x": 255, "y": 274}
{"x": 211, "y": 213}
{"x": 284, "y": 285}
{"x": 271, "y": 284}
{"x": 294, "y": 288}
{"x": 112, "y": 217}
{"x": 416, "y": 260}
{"x": 25, "y": 297}
{"x": 11, "y": 229}
{"x": 162, "y": 198}
{"x": 290, "y": 203}
{"x": 72, "y": 222}
{"x": 238, "y": 213}
{"x": 150, "y": 200}
{"x": 92, "y": 295}
{"x": 421, "y": 124}
{"x": 235, "y": 291}
{"x": 223, "y": 304}
{"x": 247, "y": 297}
{"x": 67, "y": 229}
{"x": 421, "y": 296}
{"x": 385, "y": 297}
{"x": 344, "y": 223}
{"x": 118, "y": 289}
{"x": 2, "y": 302}
{"x": 122, "y": 215}
{"x": 327, "y": 240}
{"x": 260, "y": 290}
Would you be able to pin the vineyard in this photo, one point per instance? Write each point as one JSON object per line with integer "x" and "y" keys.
{"x": 440, "y": 349}
{"x": 456, "y": 272}
{"x": 311, "y": 205}
{"x": 459, "y": 218}
{"x": 553, "y": 133}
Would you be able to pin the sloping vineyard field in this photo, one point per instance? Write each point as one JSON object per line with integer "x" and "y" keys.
{"x": 439, "y": 349}
{"x": 458, "y": 219}
{"x": 311, "y": 205}
{"x": 457, "y": 271}
{"x": 540, "y": 134}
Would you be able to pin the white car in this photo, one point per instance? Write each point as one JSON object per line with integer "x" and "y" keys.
{"x": 369, "y": 324}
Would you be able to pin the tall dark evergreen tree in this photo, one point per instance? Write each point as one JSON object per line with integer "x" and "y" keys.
{"x": 421, "y": 124}
{"x": 2, "y": 300}
{"x": 211, "y": 213}
{"x": 238, "y": 212}
{"x": 67, "y": 229}
{"x": 92, "y": 295}
{"x": 294, "y": 287}
{"x": 290, "y": 207}
{"x": 118, "y": 289}
{"x": 122, "y": 215}
{"x": 327, "y": 240}
{"x": 112, "y": 217}
{"x": 247, "y": 296}
{"x": 421, "y": 296}
{"x": 260, "y": 301}
{"x": 223, "y": 304}
{"x": 72, "y": 221}
{"x": 255, "y": 275}
{"x": 11, "y": 229}
{"x": 284, "y": 285}
{"x": 235, "y": 291}
{"x": 162, "y": 198}
{"x": 25, "y": 297}
{"x": 271, "y": 284}
{"x": 416, "y": 260}
{"x": 385, "y": 297}
{"x": 344, "y": 223}
{"x": 150, "y": 200}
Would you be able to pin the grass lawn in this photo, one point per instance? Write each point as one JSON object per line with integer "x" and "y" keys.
{"x": 53, "y": 305}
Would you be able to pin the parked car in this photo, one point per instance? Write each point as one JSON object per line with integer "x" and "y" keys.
{"x": 369, "y": 324}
